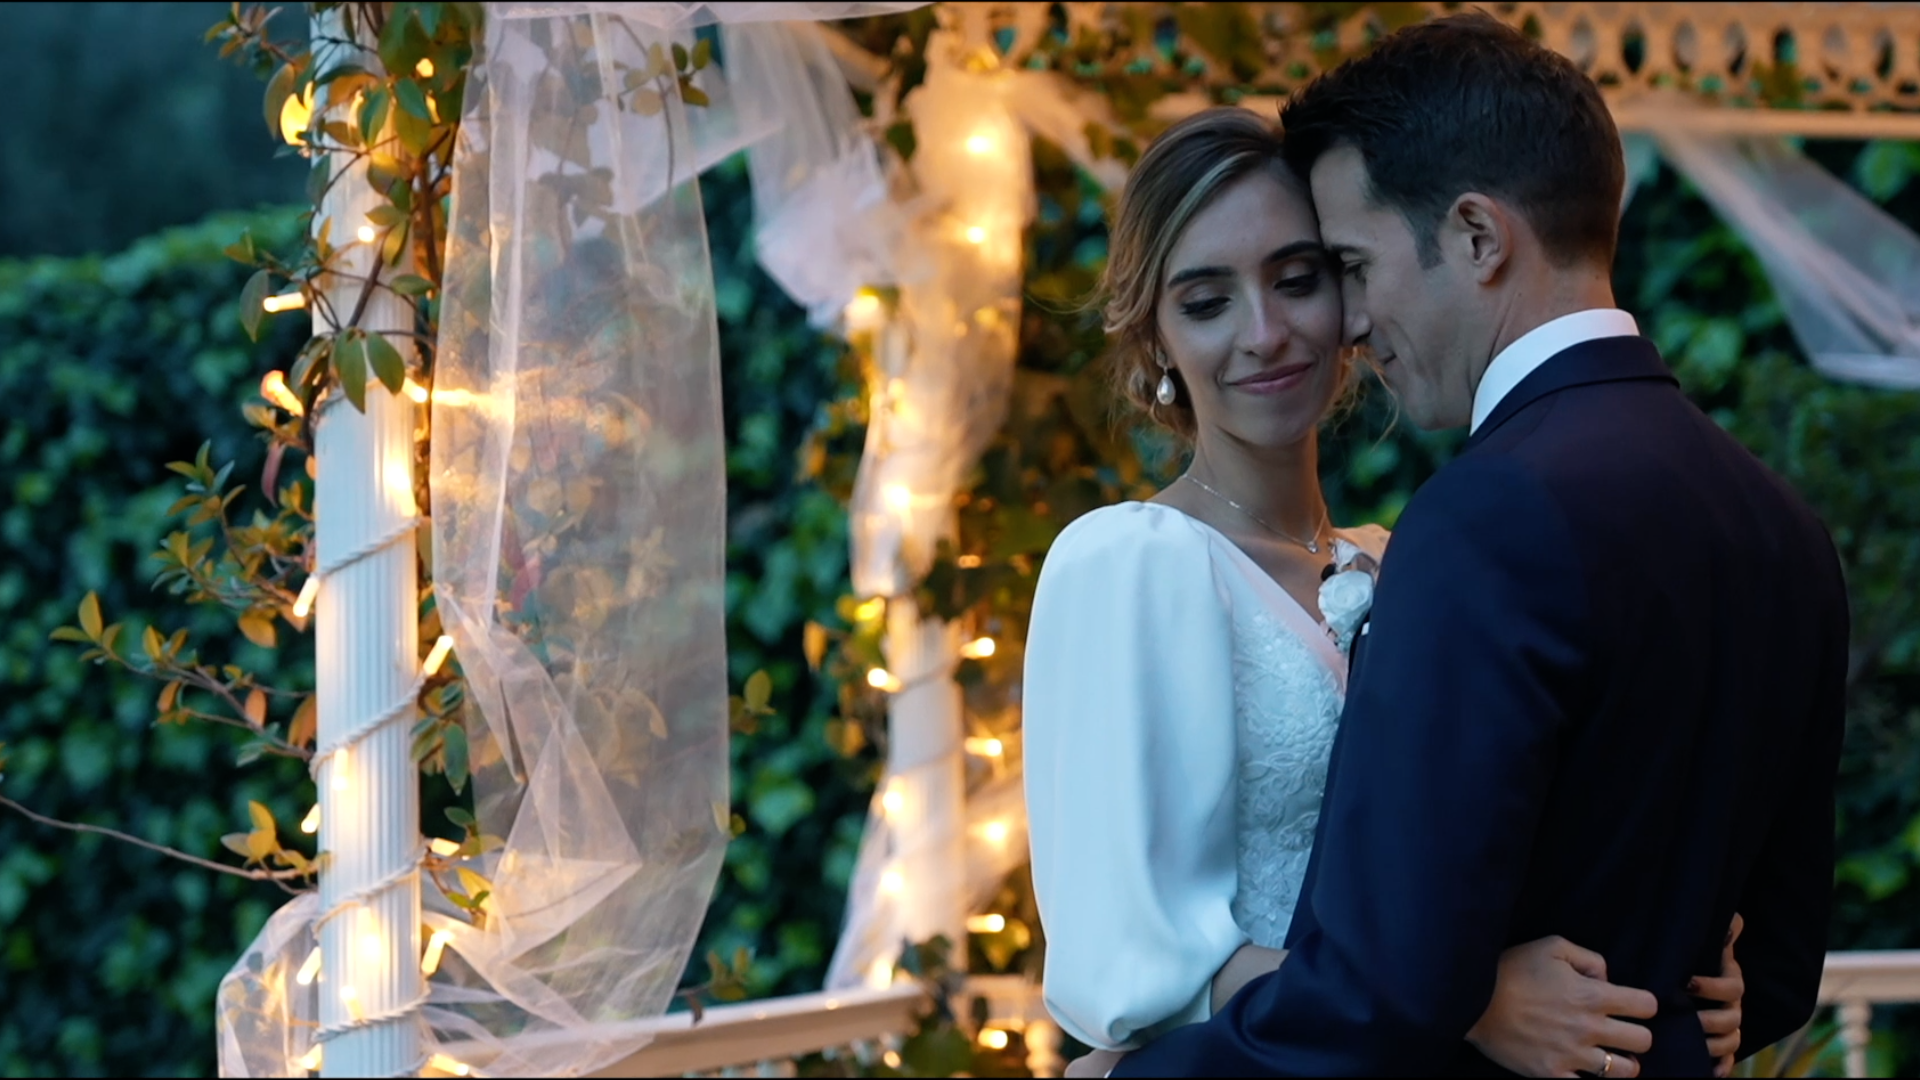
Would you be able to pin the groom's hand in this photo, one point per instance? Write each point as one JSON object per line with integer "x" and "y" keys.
{"x": 1098, "y": 1063}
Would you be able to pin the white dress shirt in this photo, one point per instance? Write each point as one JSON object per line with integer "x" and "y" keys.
{"x": 1537, "y": 346}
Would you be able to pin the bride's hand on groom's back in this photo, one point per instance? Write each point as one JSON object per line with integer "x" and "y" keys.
{"x": 1554, "y": 1014}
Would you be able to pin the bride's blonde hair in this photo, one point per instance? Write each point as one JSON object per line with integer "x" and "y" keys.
{"x": 1181, "y": 172}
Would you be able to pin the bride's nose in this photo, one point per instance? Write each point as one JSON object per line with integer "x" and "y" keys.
{"x": 1266, "y": 330}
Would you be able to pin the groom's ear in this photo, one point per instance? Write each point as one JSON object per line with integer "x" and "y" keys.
{"x": 1481, "y": 233}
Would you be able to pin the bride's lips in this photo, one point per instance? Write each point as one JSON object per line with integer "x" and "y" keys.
{"x": 1276, "y": 381}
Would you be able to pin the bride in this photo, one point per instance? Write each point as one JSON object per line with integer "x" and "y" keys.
{"x": 1186, "y": 660}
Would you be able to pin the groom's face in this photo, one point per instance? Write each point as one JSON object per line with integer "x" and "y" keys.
{"x": 1408, "y": 317}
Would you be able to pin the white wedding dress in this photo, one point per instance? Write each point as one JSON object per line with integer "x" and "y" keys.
{"x": 1179, "y": 712}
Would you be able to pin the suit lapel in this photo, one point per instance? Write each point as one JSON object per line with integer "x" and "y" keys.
{"x": 1597, "y": 361}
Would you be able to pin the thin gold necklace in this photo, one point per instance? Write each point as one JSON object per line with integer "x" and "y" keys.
{"x": 1312, "y": 546}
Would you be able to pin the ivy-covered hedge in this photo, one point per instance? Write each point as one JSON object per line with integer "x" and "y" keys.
{"x": 109, "y": 369}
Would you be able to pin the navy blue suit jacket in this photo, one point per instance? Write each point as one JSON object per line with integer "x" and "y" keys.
{"x": 1600, "y": 696}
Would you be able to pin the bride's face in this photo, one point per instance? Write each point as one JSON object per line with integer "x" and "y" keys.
{"x": 1249, "y": 313}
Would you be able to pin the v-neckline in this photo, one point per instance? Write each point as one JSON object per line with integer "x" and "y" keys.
{"x": 1320, "y": 641}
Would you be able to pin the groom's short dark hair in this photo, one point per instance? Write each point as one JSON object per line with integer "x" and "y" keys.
{"x": 1467, "y": 103}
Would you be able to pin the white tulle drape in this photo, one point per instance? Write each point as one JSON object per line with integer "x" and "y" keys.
{"x": 577, "y": 502}
{"x": 1846, "y": 272}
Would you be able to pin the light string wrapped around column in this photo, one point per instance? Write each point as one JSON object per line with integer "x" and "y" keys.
{"x": 576, "y": 471}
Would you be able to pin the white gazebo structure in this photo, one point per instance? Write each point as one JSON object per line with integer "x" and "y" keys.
{"x": 576, "y": 493}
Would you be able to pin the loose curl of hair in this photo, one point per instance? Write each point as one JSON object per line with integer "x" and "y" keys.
{"x": 1180, "y": 174}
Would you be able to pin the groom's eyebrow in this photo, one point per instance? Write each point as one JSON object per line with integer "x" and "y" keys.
{"x": 1280, "y": 254}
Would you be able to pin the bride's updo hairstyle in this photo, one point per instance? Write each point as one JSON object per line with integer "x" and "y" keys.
{"x": 1182, "y": 171}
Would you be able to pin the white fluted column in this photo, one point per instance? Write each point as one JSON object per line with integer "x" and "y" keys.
{"x": 924, "y": 757}
{"x": 366, "y": 633}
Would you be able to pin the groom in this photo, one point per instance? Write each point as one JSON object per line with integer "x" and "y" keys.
{"x": 1601, "y": 692}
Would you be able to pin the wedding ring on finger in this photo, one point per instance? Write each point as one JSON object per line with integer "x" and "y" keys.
{"x": 1606, "y": 1068}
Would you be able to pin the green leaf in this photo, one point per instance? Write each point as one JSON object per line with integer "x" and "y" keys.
{"x": 388, "y": 365}
{"x": 411, "y": 285}
{"x": 680, "y": 57}
{"x": 702, "y": 53}
{"x": 461, "y": 818}
{"x": 235, "y": 842}
{"x": 252, "y": 301}
{"x": 456, "y": 755}
{"x": 759, "y": 690}
{"x": 69, "y": 633}
{"x": 154, "y": 644}
{"x": 350, "y": 364}
{"x": 259, "y": 629}
{"x": 693, "y": 95}
{"x": 414, "y": 132}
{"x": 411, "y": 99}
{"x": 260, "y": 845}
{"x": 373, "y": 114}
{"x": 90, "y": 616}
{"x": 279, "y": 89}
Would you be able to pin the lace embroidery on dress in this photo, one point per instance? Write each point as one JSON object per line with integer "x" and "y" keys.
{"x": 1287, "y": 706}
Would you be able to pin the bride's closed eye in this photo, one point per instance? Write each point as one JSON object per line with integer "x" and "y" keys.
{"x": 1203, "y": 307}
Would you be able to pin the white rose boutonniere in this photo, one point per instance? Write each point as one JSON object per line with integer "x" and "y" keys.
{"x": 1346, "y": 596}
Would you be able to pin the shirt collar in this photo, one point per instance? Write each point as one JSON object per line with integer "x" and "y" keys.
{"x": 1537, "y": 346}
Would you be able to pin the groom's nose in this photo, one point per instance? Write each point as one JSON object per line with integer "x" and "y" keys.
{"x": 1358, "y": 326}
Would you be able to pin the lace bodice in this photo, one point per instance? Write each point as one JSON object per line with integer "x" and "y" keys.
{"x": 1287, "y": 707}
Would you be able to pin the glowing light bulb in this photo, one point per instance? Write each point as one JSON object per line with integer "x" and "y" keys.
{"x": 366, "y": 233}
{"x": 893, "y": 801}
{"x": 891, "y": 882}
{"x": 863, "y": 311}
{"x": 980, "y": 144}
{"x": 892, "y": 1058}
{"x": 339, "y": 771}
{"x": 273, "y": 387}
{"x": 351, "y": 999}
{"x": 424, "y": 68}
{"x": 447, "y": 1065}
{"x": 995, "y": 832}
{"x": 986, "y": 924}
{"x": 310, "y": 1061}
{"x": 985, "y": 747}
{"x": 443, "y": 847}
{"x": 969, "y": 562}
{"x": 439, "y": 654}
{"x": 976, "y": 234}
{"x": 436, "y": 945}
{"x": 882, "y": 679}
{"x": 292, "y": 301}
{"x": 309, "y": 970}
{"x": 373, "y": 948}
{"x": 870, "y": 610}
{"x": 294, "y": 117}
{"x": 415, "y": 391}
{"x": 899, "y": 497}
{"x": 978, "y": 649}
{"x": 993, "y": 1038}
{"x": 311, "y": 823}
{"x": 303, "y": 603}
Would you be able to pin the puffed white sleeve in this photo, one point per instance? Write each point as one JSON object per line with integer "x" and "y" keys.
{"x": 1129, "y": 768}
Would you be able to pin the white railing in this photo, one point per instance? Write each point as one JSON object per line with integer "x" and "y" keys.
{"x": 764, "y": 1038}
{"x": 1857, "y": 981}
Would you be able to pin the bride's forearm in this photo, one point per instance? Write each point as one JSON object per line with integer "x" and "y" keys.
{"x": 1248, "y": 963}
